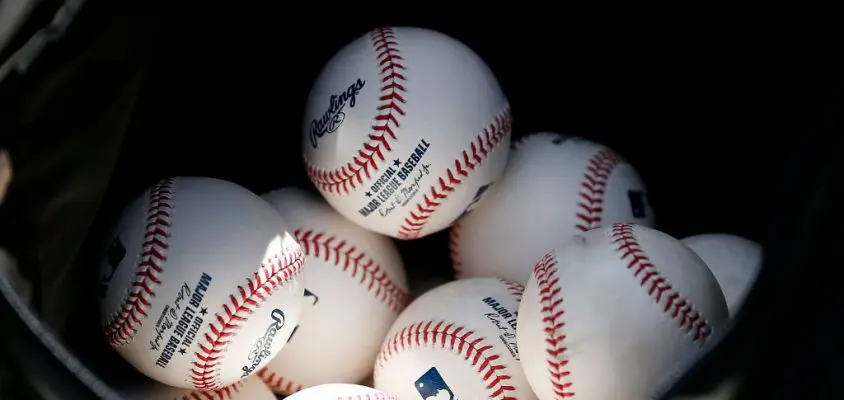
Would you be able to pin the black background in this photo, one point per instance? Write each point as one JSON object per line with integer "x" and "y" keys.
{"x": 708, "y": 104}
{"x": 681, "y": 95}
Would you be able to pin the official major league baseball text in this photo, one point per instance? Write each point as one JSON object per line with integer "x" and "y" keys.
{"x": 173, "y": 307}
{"x": 409, "y": 158}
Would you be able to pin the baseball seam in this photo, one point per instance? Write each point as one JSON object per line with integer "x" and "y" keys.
{"x": 461, "y": 340}
{"x": 454, "y": 249}
{"x": 677, "y": 307}
{"x": 551, "y": 310}
{"x": 515, "y": 289}
{"x": 346, "y": 256}
{"x": 272, "y": 275}
{"x": 593, "y": 188}
{"x": 471, "y": 158}
{"x": 123, "y": 324}
{"x": 278, "y": 383}
{"x": 389, "y": 112}
{"x": 219, "y": 394}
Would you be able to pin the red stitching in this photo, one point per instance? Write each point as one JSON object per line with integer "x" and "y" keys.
{"x": 219, "y": 394}
{"x": 271, "y": 276}
{"x": 454, "y": 248}
{"x": 278, "y": 383}
{"x": 347, "y": 256}
{"x": 450, "y": 336}
{"x": 471, "y": 158}
{"x": 552, "y": 313}
{"x": 593, "y": 188}
{"x": 122, "y": 325}
{"x": 677, "y": 307}
{"x": 515, "y": 289}
{"x": 390, "y": 111}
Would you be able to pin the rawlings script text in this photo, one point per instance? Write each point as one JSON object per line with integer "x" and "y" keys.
{"x": 261, "y": 350}
{"x": 334, "y": 115}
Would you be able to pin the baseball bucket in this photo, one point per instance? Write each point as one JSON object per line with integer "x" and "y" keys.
{"x": 416, "y": 202}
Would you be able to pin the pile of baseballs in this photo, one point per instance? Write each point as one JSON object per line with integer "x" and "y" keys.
{"x": 563, "y": 287}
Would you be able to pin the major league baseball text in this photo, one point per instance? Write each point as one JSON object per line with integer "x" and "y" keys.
{"x": 182, "y": 317}
{"x": 505, "y": 321}
{"x": 396, "y": 166}
{"x": 387, "y": 191}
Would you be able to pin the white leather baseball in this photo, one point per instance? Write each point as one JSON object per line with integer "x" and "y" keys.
{"x": 456, "y": 341}
{"x": 251, "y": 388}
{"x": 614, "y": 312}
{"x": 201, "y": 283}
{"x": 734, "y": 260}
{"x": 554, "y": 187}
{"x": 340, "y": 391}
{"x": 404, "y": 129}
{"x": 356, "y": 287}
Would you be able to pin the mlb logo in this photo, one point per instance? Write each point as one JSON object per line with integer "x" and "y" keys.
{"x": 478, "y": 195}
{"x": 638, "y": 200}
{"x": 432, "y": 386}
{"x": 113, "y": 256}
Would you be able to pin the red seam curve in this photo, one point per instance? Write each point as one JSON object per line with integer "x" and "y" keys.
{"x": 122, "y": 325}
{"x": 514, "y": 288}
{"x": 593, "y": 189}
{"x": 551, "y": 310}
{"x": 673, "y": 304}
{"x": 347, "y": 256}
{"x": 271, "y": 276}
{"x": 471, "y": 158}
{"x": 219, "y": 394}
{"x": 450, "y": 336}
{"x": 278, "y": 383}
{"x": 454, "y": 249}
{"x": 389, "y": 112}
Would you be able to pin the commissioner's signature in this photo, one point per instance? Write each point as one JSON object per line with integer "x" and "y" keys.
{"x": 406, "y": 193}
{"x": 169, "y": 317}
{"x": 507, "y": 334}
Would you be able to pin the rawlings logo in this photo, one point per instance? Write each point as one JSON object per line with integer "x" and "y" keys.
{"x": 334, "y": 116}
{"x": 261, "y": 350}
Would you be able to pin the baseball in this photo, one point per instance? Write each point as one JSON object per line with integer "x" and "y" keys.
{"x": 734, "y": 260}
{"x": 200, "y": 283}
{"x": 457, "y": 341}
{"x": 404, "y": 130}
{"x": 248, "y": 389}
{"x": 554, "y": 187}
{"x": 340, "y": 391}
{"x": 613, "y": 312}
{"x": 355, "y": 289}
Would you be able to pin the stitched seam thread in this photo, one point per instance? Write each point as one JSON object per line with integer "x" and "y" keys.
{"x": 219, "y": 394}
{"x": 471, "y": 158}
{"x": 689, "y": 319}
{"x": 551, "y": 310}
{"x": 593, "y": 187}
{"x": 450, "y": 336}
{"x": 123, "y": 324}
{"x": 515, "y": 289}
{"x": 454, "y": 249}
{"x": 389, "y": 112}
{"x": 278, "y": 383}
{"x": 272, "y": 275}
{"x": 347, "y": 256}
